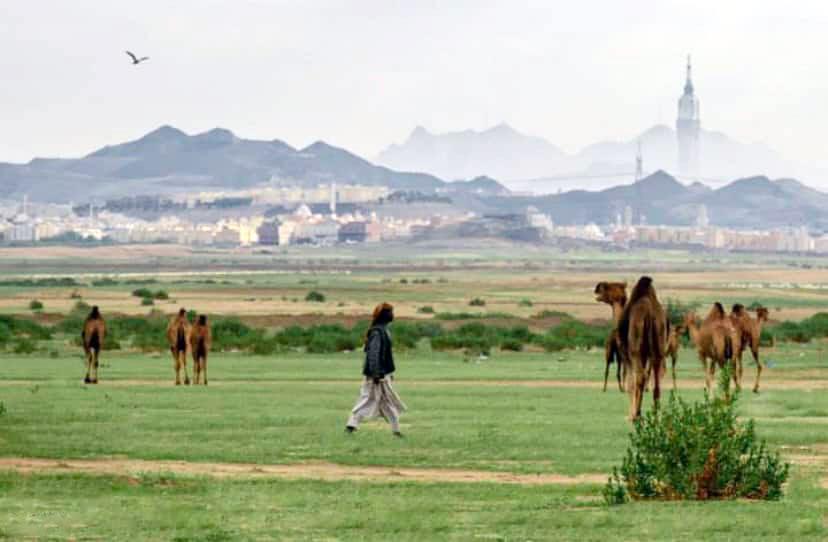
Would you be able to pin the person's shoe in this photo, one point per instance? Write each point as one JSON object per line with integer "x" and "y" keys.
{"x": 350, "y": 429}
{"x": 398, "y": 434}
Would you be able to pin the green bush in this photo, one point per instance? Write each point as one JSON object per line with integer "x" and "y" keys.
{"x": 696, "y": 451}
{"x": 35, "y": 305}
{"x": 542, "y": 315}
{"x": 477, "y": 302}
{"x": 147, "y": 301}
{"x": 26, "y": 328}
{"x": 23, "y": 345}
{"x": 105, "y": 281}
{"x": 81, "y": 308}
{"x": 5, "y": 334}
{"x": 426, "y": 309}
{"x": 2, "y": 408}
{"x": 512, "y": 345}
{"x": 142, "y": 292}
{"x": 574, "y": 334}
{"x": 472, "y": 315}
{"x": 676, "y": 310}
{"x": 161, "y": 294}
{"x": 315, "y": 297}
{"x": 525, "y": 303}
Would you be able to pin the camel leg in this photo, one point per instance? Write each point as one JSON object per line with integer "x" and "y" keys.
{"x": 622, "y": 375}
{"x": 88, "y": 378}
{"x": 94, "y": 366}
{"x": 658, "y": 373}
{"x": 184, "y": 365}
{"x": 177, "y": 367}
{"x": 737, "y": 372}
{"x": 606, "y": 374}
{"x": 707, "y": 377}
{"x": 204, "y": 370}
{"x": 755, "y": 351}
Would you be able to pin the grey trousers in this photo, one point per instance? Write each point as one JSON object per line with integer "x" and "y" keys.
{"x": 377, "y": 400}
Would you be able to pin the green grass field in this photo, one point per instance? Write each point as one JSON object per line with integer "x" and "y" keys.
{"x": 516, "y": 413}
{"x": 511, "y": 447}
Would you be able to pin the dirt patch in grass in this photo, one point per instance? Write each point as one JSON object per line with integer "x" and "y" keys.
{"x": 316, "y": 471}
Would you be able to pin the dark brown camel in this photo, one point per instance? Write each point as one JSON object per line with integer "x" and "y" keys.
{"x": 201, "y": 341}
{"x": 92, "y": 336}
{"x": 750, "y": 330}
{"x": 642, "y": 330}
{"x": 178, "y": 334}
{"x": 613, "y": 294}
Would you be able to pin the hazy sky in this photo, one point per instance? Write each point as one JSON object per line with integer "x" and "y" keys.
{"x": 362, "y": 74}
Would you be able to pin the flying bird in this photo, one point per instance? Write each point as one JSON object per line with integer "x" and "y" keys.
{"x": 135, "y": 59}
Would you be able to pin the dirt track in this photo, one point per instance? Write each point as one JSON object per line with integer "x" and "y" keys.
{"x": 314, "y": 471}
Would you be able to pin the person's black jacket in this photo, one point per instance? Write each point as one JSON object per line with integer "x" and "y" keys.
{"x": 379, "y": 359}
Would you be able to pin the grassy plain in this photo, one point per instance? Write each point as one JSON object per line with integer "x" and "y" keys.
{"x": 513, "y": 414}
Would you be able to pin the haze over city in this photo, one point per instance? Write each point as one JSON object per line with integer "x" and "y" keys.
{"x": 362, "y": 76}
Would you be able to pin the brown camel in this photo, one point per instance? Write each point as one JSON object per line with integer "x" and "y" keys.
{"x": 613, "y": 294}
{"x": 672, "y": 349}
{"x": 642, "y": 329}
{"x": 200, "y": 342}
{"x": 717, "y": 342}
{"x": 178, "y": 333}
{"x": 750, "y": 330}
{"x": 92, "y": 336}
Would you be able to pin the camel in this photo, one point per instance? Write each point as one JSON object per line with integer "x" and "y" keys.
{"x": 750, "y": 330}
{"x": 613, "y": 294}
{"x": 642, "y": 330}
{"x": 92, "y": 337}
{"x": 717, "y": 342}
{"x": 672, "y": 348}
{"x": 200, "y": 342}
{"x": 178, "y": 333}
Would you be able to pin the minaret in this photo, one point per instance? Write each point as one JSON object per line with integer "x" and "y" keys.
{"x": 639, "y": 164}
{"x": 333, "y": 199}
{"x": 688, "y": 125}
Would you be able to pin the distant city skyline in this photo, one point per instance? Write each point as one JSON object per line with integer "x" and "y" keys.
{"x": 362, "y": 76}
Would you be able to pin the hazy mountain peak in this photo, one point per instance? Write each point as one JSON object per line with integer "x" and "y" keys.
{"x": 164, "y": 132}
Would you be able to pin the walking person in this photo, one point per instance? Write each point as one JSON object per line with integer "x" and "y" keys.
{"x": 377, "y": 397}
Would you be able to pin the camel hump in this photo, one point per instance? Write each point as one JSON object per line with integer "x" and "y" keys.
{"x": 643, "y": 288}
{"x": 94, "y": 314}
{"x": 738, "y": 308}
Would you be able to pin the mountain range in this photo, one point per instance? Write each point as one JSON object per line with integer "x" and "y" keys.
{"x": 755, "y": 202}
{"x": 167, "y": 161}
{"x": 530, "y": 163}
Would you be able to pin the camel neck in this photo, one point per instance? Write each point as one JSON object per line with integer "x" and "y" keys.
{"x": 617, "y": 311}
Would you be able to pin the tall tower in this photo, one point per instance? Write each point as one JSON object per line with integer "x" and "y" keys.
{"x": 688, "y": 125}
{"x": 332, "y": 204}
{"x": 639, "y": 164}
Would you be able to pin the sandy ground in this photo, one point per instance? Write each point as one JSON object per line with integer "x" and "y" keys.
{"x": 314, "y": 471}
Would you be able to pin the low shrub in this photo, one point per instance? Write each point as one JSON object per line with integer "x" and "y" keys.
{"x": 696, "y": 451}
{"x": 477, "y": 302}
{"x": 525, "y": 303}
{"x": 147, "y": 301}
{"x": 23, "y": 345}
{"x": 35, "y": 305}
{"x": 22, "y": 327}
{"x": 142, "y": 292}
{"x": 105, "y": 281}
{"x": 315, "y": 297}
{"x": 542, "y": 315}
{"x": 676, "y": 310}
{"x": 574, "y": 334}
{"x": 426, "y": 309}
